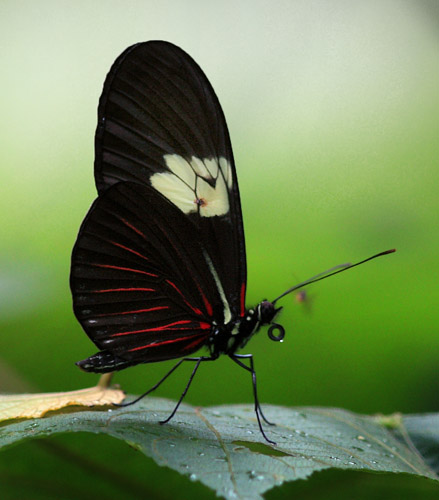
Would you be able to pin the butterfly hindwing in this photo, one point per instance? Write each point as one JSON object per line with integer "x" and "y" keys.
{"x": 141, "y": 284}
{"x": 160, "y": 124}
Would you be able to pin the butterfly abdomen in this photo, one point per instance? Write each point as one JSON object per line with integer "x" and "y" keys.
{"x": 104, "y": 362}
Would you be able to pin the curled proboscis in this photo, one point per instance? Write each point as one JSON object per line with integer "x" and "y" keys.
{"x": 279, "y": 337}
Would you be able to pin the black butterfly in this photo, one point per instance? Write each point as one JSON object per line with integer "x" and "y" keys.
{"x": 159, "y": 265}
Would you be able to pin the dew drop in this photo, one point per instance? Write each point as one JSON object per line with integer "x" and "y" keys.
{"x": 201, "y": 454}
{"x": 193, "y": 477}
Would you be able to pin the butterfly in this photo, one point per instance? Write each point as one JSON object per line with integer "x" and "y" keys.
{"x": 158, "y": 269}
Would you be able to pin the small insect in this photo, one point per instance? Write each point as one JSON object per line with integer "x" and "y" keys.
{"x": 304, "y": 300}
{"x": 302, "y": 297}
{"x": 159, "y": 265}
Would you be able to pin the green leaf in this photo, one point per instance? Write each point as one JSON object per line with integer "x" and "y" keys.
{"x": 222, "y": 447}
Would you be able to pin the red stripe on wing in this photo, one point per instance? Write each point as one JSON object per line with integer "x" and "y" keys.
{"x": 127, "y": 249}
{"x": 168, "y": 327}
{"x": 195, "y": 309}
{"x": 208, "y": 305}
{"x": 138, "y": 311}
{"x": 123, "y": 290}
{"x": 173, "y": 341}
{"x": 125, "y": 269}
{"x": 242, "y": 299}
{"x": 134, "y": 228}
{"x": 194, "y": 343}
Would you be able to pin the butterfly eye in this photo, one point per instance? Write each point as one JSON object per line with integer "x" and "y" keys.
{"x": 273, "y": 328}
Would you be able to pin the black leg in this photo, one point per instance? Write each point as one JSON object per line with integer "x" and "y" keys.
{"x": 196, "y": 360}
{"x": 194, "y": 371}
{"x": 237, "y": 359}
{"x": 251, "y": 369}
{"x": 152, "y": 388}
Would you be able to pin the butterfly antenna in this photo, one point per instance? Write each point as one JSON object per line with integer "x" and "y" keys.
{"x": 330, "y": 272}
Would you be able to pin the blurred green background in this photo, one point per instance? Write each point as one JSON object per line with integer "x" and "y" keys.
{"x": 333, "y": 112}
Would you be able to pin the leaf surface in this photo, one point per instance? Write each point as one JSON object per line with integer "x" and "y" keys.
{"x": 222, "y": 447}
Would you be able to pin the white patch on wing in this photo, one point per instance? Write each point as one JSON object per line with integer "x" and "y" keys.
{"x": 181, "y": 168}
{"x": 212, "y": 165}
{"x": 215, "y": 200}
{"x": 200, "y": 168}
{"x": 226, "y": 169}
{"x": 196, "y": 185}
{"x": 179, "y": 193}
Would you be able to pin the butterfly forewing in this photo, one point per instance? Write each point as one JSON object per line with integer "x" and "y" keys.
{"x": 141, "y": 284}
{"x": 160, "y": 124}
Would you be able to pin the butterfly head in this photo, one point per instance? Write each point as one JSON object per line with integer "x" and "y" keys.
{"x": 266, "y": 313}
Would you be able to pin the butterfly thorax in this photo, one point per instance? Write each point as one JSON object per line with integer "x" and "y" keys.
{"x": 228, "y": 338}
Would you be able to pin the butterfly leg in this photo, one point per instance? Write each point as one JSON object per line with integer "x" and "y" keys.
{"x": 251, "y": 369}
{"x": 194, "y": 371}
{"x": 152, "y": 388}
{"x": 237, "y": 359}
